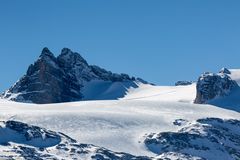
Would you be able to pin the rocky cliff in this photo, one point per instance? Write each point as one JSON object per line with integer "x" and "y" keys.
{"x": 211, "y": 86}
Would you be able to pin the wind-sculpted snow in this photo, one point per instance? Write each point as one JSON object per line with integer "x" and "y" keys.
{"x": 210, "y": 139}
{"x": 22, "y": 141}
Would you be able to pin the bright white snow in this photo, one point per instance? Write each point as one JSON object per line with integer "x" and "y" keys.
{"x": 118, "y": 125}
{"x": 162, "y": 93}
{"x": 235, "y": 75}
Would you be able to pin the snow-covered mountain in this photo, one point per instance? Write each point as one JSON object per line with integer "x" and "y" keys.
{"x": 67, "y": 78}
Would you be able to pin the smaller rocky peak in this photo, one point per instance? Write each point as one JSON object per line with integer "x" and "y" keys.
{"x": 70, "y": 58}
{"x": 212, "y": 85}
{"x": 46, "y": 53}
{"x": 69, "y": 54}
{"x": 46, "y": 60}
{"x": 225, "y": 70}
{"x": 66, "y": 51}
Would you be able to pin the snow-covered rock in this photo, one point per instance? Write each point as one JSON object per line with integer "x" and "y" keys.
{"x": 225, "y": 70}
{"x": 18, "y": 132}
{"x": 22, "y": 141}
{"x": 61, "y": 79}
{"x": 183, "y": 83}
{"x": 177, "y": 156}
{"x": 209, "y": 138}
{"x": 211, "y": 86}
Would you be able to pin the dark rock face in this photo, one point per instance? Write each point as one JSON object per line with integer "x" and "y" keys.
{"x": 183, "y": 83}
{"x": 45, "y": 82}
{"x": 109, "y": 76}
{"x": 58, "y": 79}
{"x": 210, "y": 138}
{"x": 210, "y": 86}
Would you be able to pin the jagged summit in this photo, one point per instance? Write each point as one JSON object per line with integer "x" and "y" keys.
{"x": 68, "y": 54}
{"x": 66, "y": 51}
{"x": 64, "y": 79}
{"x": 46, "y": 52}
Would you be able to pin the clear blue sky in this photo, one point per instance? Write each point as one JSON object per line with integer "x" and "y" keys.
{"x": 161, "y": 41}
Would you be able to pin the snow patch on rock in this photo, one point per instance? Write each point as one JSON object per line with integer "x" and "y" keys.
{"x": 209, "y": 138}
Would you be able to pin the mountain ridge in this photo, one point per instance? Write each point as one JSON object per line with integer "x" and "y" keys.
{"x": 53, "y": 79}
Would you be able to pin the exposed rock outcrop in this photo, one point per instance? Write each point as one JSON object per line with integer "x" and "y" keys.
{"x": 210, "y": 138}
{"x": 183, "y": 83}
{"x": 23, "y": 141}
{"x": 211, "y": 86}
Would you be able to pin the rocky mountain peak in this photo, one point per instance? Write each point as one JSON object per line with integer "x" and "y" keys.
{"x": 45, "y": 62}
{"x": 59, "y": 79}
{"x": 66, "y": 51}
{"x": 46, "y": 53}
{"x": 68, "y": 58}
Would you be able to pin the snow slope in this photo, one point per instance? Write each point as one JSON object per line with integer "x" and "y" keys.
{"x": 162, "y": 93}
{"x": 107, "y": 90}
{"x": 235, "y": 75}
{"x": 118, "y": 125}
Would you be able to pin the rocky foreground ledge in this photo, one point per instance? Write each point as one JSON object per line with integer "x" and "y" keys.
{"x": 22, "y": 141}
{"x": 203, "y": 139}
